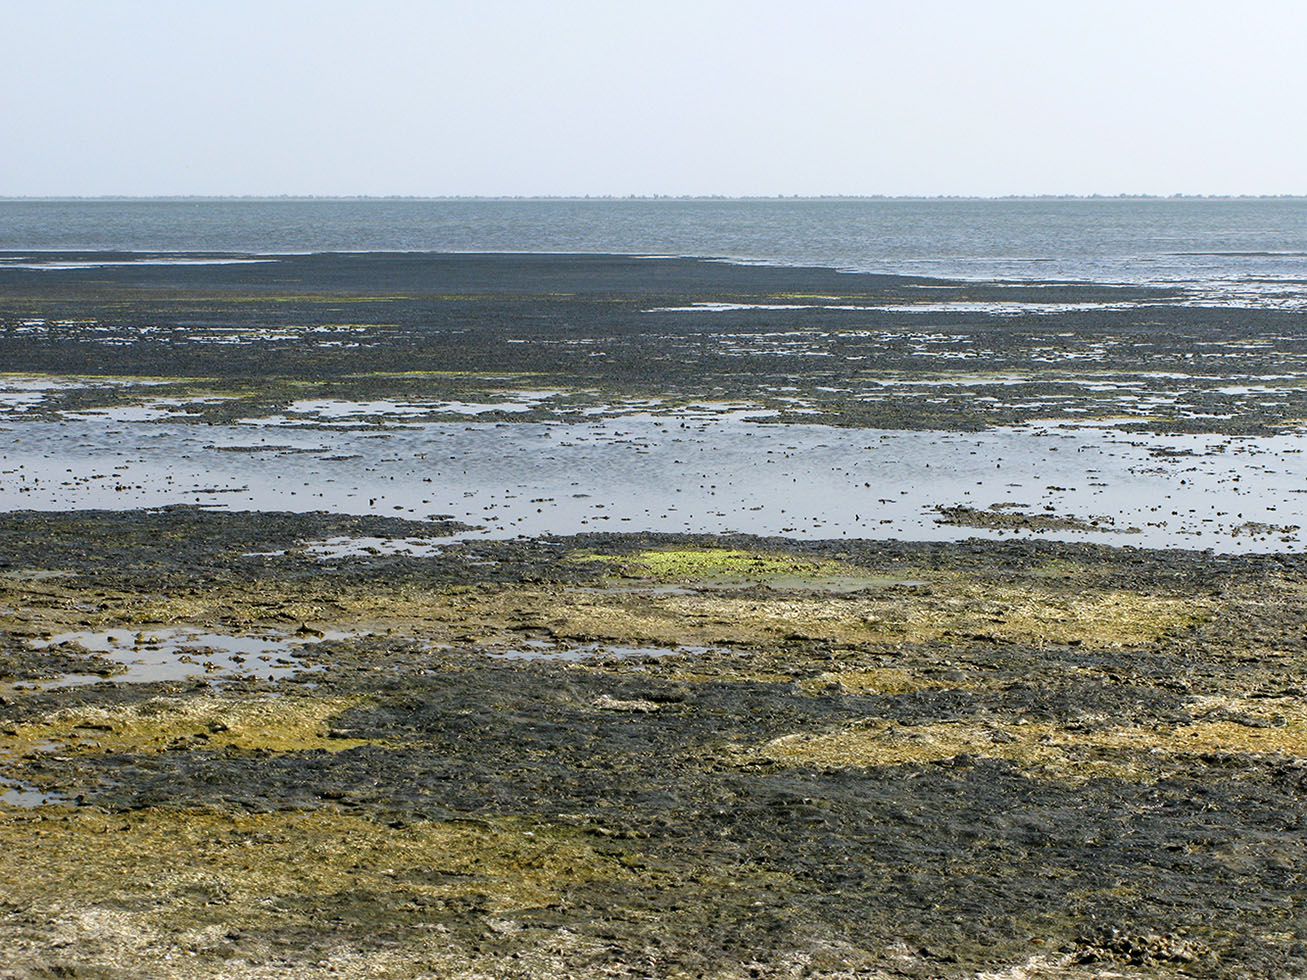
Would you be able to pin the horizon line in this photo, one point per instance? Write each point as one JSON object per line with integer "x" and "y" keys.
{"x": 648, "y": 197}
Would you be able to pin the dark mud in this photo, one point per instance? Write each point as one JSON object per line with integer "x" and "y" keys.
{"x": 1008, "y": 519}
{"x": 1015, "y": 759}
{"x": 807, "y": 345}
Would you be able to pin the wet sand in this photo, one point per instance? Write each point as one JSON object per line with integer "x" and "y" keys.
{"x": 396, "y": 731}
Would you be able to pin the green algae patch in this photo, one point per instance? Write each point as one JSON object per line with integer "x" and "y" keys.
{"x": 734, "y": 568}
{"x": 711, "y": 563}
{"x": 242, "y": 723}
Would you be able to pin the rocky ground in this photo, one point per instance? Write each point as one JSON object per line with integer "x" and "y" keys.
{"x": 642, "y": 756}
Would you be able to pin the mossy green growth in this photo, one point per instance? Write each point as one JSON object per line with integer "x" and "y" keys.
{"x": 735, "y": 568}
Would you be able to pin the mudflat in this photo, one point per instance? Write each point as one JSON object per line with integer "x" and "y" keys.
{"x": 237, "y": 337}
{"x": 243, "y": 743}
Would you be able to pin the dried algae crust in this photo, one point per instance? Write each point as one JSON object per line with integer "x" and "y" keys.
{"x": 869, "y": 608}
{"x": 244, "y": 859}
{"x": 208, "y": 894}
{"x": 878, "y": 680}
{"x": 716, "y": 566}
{"x": 1276, "y": 727}
{"x": 956, "y": 610}
{"x": 266, "y": 723}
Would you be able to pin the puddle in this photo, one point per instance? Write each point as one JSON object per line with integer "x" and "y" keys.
{"x": 179, "y": 654}
{"x": 14, "y": 792}
{"x": 155, "y": 410}
{"x": 330, "y": 549}
{"x": 549, "y": 650}
{"x": 333, "y": 411}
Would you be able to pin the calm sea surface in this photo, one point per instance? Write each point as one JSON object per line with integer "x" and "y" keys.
{"x": 1241, "y": 252}
{"x": 1229, "y": 493}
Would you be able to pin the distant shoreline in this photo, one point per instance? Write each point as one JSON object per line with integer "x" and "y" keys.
{"x": 293, "y": 198}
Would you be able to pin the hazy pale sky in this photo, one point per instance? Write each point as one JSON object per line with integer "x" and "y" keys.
{"x": 734, "y": 97}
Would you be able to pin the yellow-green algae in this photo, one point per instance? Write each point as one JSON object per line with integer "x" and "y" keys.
{"x": 676, "y": 564}
{"x": 877, "y": 680}
{"x": 1112, "y": 619}
{"x": 957, "y": 609}
{"x": 726, "y": 567}
{"x": 513, "y": 863}
{"x": 1276, "y": 727}
{"x": 190, "y": 893}
{"x": 248, "y": 722}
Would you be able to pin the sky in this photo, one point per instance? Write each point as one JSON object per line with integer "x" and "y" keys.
{"x": 676, "y": 97}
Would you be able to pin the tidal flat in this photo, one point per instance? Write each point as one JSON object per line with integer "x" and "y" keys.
{"x": 272, "y": 733}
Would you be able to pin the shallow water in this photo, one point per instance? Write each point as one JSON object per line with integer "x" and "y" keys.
{"x": 335, "y": 549}
{"x": 713, "y": 473}
{"x": 180, "y": 654}
{"x": 14, "y": 792}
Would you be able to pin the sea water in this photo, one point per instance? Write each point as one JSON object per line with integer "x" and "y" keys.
{"x": 1229, "y": 251}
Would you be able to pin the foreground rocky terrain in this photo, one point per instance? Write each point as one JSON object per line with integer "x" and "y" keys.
{"x": 641, "y": 756}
